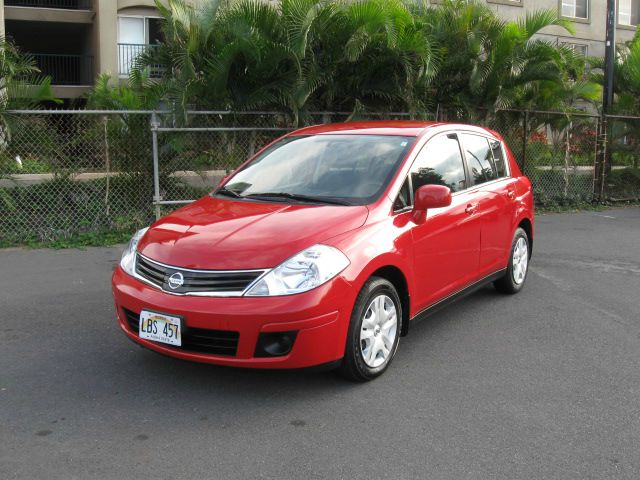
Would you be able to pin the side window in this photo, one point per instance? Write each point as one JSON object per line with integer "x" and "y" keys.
{"x": 479, "y": 158}
{"x": 404, "y": 197}
{"x": 498, "y": 158}
{"x": 440, "y": 162}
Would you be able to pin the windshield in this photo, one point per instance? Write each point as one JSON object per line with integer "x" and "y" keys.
{"x": 340, "y": 169}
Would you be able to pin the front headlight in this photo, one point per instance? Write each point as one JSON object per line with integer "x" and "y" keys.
{"x": 128, "y": 260}
{"x": 306, "y": 270}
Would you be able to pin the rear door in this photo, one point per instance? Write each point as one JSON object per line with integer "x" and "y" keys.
{"x": 494, "y": 193}
{"x": 447, "y": 243}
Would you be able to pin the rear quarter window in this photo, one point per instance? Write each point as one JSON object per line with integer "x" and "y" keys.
{"x": 479, "y": 158}
{"x": 498, "y": 157}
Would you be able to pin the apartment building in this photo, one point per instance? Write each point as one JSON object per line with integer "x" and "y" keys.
{"x": 75, "y": 40}
{"x": 589, "y": 17}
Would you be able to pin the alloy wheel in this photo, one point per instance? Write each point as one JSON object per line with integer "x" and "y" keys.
{"x": 520, "y": 260}
{"x": 378, "y": 331}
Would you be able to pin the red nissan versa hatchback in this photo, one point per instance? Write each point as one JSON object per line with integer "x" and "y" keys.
{"x": 327, "y": 244}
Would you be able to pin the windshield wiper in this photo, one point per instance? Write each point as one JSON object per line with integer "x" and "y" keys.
{"x": 299, "y": 197}
{"x": 227, "y": 192}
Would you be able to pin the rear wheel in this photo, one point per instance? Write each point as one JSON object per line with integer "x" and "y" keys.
{"x": 516, "y": 272}
{"x": 374, "y": 331}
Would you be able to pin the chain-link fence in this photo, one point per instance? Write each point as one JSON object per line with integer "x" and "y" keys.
{"x": 69, "y": 172}
{"x": 557, "y": 151}
{"x": 622, "y": 181}
{"x": 193, "y": 159}
{"x": 65, "y": 173}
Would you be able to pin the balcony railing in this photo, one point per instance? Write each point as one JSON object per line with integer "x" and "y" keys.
{"x": 65, "y": 4}
{"x": 66, "y": 69}
{"x": 127, "y": 55}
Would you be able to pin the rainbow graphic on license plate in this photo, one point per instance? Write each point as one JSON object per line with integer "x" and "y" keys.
{"x": 159, "y": 327}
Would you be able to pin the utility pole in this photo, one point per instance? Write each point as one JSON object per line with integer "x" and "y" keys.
{"x": 607, "y": 99}
{"x": 609, "y": 57}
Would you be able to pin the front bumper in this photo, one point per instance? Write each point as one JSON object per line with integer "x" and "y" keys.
{"x": 320, "y": 317}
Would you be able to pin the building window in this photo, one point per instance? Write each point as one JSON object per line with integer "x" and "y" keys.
{"x": 139, "y": 30}
{"x": 629, "y": 12}
{"x": 514, "y": 3}
{"x": 575, "y": 9}
{"x": 579, "y": 48}
{"x": 135, "y": 36}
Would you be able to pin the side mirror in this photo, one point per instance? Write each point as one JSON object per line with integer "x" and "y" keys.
{"x": 431, "y": 196}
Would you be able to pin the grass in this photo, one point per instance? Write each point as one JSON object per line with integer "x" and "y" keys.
{"x": 624, "y": 184}
{"x": 571, "y": 207}
{"x": 81, "y": 240}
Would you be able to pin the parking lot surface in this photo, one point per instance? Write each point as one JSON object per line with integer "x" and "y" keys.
{"x": 541, "y": 385}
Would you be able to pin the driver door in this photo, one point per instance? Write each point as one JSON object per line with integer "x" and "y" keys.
{"x": 447, "y": 243}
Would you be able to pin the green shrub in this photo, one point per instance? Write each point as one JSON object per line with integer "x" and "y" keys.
{"x": 62, "y": 209}
{"x": 549, "y": 188}
{"x": 624, "y": 184}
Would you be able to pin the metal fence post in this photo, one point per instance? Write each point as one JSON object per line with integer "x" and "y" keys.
{"x": 601, "y": 161}
{"x": 597, "y": 166}
{"x": 155, "y": 124}
{"x": 525, "y": 135}
{"x": 252, "y": 143}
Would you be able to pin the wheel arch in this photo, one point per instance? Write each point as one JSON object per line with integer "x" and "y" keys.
{"x": 397, "y": 278}
{"x": 527, "y": 226}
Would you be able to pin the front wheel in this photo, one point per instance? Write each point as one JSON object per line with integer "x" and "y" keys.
{"x": 374, "y": 331}
{"x": 518, "y": 266}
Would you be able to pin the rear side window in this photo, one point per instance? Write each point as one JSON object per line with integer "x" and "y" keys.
{"x": 440, "y": 163}
{"x": 479, "y": 158}
{"x": 498, "y": 158}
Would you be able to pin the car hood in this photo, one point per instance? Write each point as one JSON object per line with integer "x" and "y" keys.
{"x": 221, "y": 234}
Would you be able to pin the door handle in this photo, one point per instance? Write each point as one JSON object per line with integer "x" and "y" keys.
{"x": 511, "y": 194}
{"x": 471, "y": 208}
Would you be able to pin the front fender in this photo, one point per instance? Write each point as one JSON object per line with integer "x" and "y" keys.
{"x": 386, "y": 243}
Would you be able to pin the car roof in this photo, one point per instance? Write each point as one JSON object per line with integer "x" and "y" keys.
{"x": 408, "y": 128}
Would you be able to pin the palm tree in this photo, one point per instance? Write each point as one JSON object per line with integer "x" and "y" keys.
{"x": 626, "y": 83}
{"x": 626, "y": 80}
{"x": 381, "y": 59}
{"x": 21, "y": 87}
{"x": 302, "y": 55}
{"x": 295, "y": 55}
{"x": 488, "y": 63}
{"x": 460, "y": 30}
{"x": 569, "y": 130}
{"x": 513, "y": 63}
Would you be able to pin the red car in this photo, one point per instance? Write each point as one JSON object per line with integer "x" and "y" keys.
{"x": 327, "y": 245}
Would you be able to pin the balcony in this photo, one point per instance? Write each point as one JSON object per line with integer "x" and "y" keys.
{"x": 63, "y": 4}
{"x": 66, "y": 70}
{"x": 127, "y": 55}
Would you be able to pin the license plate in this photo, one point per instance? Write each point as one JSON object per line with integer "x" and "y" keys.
{"x": 160, "y": 328}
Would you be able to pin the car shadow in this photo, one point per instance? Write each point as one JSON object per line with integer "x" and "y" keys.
{"x": 197, "y": 376}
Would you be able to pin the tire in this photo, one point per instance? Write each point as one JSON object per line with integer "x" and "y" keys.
{"x": 518, "y": 267}
{"x": 372, "y": 339}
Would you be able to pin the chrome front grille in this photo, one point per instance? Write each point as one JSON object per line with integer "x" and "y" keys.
{"x": 194, "y": 282}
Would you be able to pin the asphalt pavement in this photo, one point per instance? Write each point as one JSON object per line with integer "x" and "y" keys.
{"x": 541, "y": 385}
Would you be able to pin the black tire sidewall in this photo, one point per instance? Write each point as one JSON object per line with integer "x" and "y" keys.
{"x": 520, "y": 233}
{"x": 353, "y": 355}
